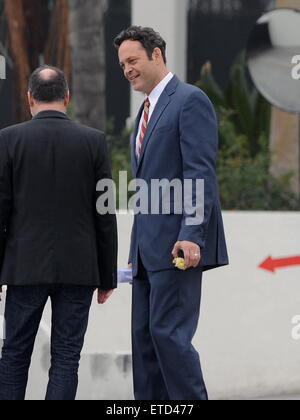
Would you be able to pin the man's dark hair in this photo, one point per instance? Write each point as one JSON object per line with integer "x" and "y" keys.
{"x": 48, "y": 89}
{"x": 146, "y": 36}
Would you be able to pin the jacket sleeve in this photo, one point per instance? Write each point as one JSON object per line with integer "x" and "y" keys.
{"x": 199, "y": 144}
{"x": 5, "y": 196}
{"x": 106, "y": 226}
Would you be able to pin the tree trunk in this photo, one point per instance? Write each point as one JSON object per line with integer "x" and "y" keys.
{"x": 88, "y": 61}
{"x": 33, "y": 41}
{"x": 36, "y": 13}
{"x": 57, "y": 51}
{"x": 17, "y": 30}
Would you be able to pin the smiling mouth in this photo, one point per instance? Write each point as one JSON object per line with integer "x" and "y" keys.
{"x": 132, "y": 79}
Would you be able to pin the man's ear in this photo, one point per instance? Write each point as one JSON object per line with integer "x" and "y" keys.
{"x": 67, "y": 99}
{"x": 30, "y": 99}
{"x": 157, "y": 54}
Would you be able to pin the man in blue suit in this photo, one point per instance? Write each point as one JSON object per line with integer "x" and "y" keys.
{"x": 176, "y": 138}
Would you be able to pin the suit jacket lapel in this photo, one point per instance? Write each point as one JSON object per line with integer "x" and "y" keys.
{"x": 159, "y": 109}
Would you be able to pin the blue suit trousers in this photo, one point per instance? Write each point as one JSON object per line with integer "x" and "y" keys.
{"x": 165, "y": 316}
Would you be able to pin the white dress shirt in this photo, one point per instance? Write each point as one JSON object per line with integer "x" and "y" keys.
{"x": 153, "y": 98}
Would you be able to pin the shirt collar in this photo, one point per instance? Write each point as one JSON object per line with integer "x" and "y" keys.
{"x": 158, "y": 90}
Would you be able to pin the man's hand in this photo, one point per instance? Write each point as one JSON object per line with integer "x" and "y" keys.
{"x": 103, "y": 295}
{"x": 191, "y": 252}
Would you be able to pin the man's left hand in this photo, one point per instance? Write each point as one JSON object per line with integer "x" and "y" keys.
{"x": 191, "y": 252}
{"x": 104, "y": 295}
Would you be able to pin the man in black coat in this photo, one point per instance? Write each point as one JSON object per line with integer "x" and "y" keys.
{"x": 53, "y": 242}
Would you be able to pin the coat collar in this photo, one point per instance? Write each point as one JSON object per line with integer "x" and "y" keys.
{"x": 50, "y": 114}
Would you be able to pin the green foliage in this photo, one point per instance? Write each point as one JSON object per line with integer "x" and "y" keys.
{"x": 119, "y": 152}
{"x": 244, "y": 158}
{"x": 245, "y": 182}
{"x": 70, "y": 110}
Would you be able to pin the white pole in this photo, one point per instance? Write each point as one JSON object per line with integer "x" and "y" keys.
{"x": 169, "y": 18}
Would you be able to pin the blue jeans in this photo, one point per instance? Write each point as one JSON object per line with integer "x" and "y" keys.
{"x": 23, "y": 313}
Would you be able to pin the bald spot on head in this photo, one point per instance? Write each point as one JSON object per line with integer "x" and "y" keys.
{"x": 48, "y": 74}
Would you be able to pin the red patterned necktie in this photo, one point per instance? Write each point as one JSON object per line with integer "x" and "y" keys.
{"x": 143, "y": 127}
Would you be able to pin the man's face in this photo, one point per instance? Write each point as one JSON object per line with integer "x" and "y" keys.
{"x": 142, "y": 73}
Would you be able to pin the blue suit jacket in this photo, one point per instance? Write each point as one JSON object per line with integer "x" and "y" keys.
{"x": 181, "y": 142}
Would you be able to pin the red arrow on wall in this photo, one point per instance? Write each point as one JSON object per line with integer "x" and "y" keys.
{"x": 271, "y": 264}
